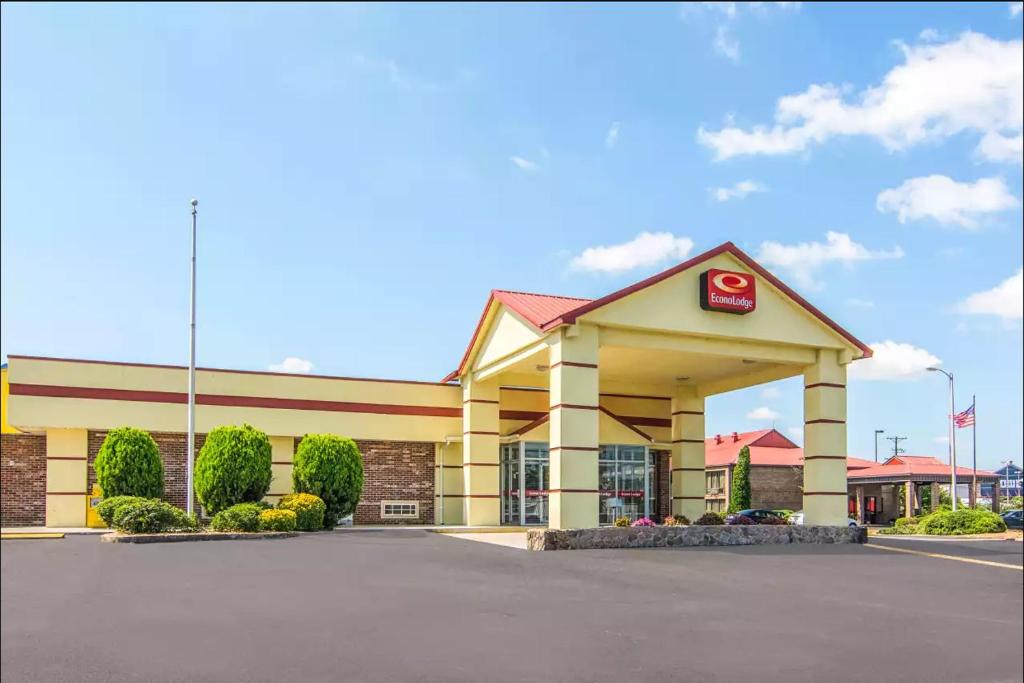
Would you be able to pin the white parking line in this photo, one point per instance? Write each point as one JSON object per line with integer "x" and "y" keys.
{"x": 946, "y": 557}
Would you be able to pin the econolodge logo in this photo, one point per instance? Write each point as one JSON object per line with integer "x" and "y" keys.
{"x": 727, "y": 291}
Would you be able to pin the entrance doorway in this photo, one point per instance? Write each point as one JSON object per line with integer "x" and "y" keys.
{"x": 625, "y": 475}
{"x": 525, "y": 473}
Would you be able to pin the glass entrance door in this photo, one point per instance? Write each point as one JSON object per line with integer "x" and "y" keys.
{"x": 624, "y": 482}
{"x": 525, "y": 478}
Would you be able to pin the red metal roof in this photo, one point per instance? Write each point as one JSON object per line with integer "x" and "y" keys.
{"x": 911, "y": 465}
{"x": 767, "y": 447}
{"x": 546, "y": 312}
{"x": 538, "y": 309}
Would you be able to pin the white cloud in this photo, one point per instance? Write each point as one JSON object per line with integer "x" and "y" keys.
{"x": 524, "y": 164}
{"x": 612, "y": 137}
{"x": 762, "y": 413}
{"x": 1005, "y": 300}
{"x": 771, "y": 394}
{"x": 646, "y": 249}
{"x": 973, "y": 83}
{"x": 860, "y": 303}
{"x": 291, "y": 364}
{"x": 1016, "y": 8}
{"x": 894, "y": 361}
{"x": 737, "y": 191}
{"x": 947, "y": 201}
{"x": 998, "y": 147}
{"x": 803, "y": 260}
{"x": 930, "y": 35}
{"x": 726, "y": 45}
{"x": 726, "y": 15}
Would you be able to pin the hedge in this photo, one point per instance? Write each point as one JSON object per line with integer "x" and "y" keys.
{"x": 330, "y": 467}
{"x": 128, "y": 464}
{"x": 108, "y": 507}
{"x": 233, "y": 467}
{"x": 961, "y": 522}
{"x": 308, "y": 509}
{"x": 240, "y": 517}
{"x": 151, "y": 516}
{"x": 709, "y": 519}
{"x": 278, "y": 520}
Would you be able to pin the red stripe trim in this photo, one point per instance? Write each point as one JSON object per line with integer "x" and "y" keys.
{"x": 51, "y": 391}
{"x": 450, "y": 467}
{"x": 55, "y": 457}
{"x": 480, "y": 433}
{"x": 573, "y": 491}
{"x": 66, "y": 493}
{"x": 479, "y": 495}
{"x": 626, "y": 424}
{"x": 646, "y": 421}
{"x": 573, "y": 448}
{"x": 571, "y": 364}
{"x": 688, "y": 497}
{"x": 282, "y": 462}
{"x": 521, "y": 414}
{"x": 825, "y": 384}
{"x": 479, "y": 400}
{"x": 687, "y": 440}
{"x": 268, "y": 495}
{"x": 688, "y": 412}
{"x": 687, "y": 469}
{"x": 574, "y": 406}
{"x": 481, "y": 464}
{"x": 825, "y": 493}
{"x": 647, "y": 398}
{"x": 236, "y": 372}
{"x": 825, "y": 421}
{"x": 530, "y": 426}
{"x": 824, "y": 457}
{"x": 523, "y": 389}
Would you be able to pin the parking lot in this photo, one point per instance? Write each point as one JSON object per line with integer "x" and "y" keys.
{"x": 409, "y": 605}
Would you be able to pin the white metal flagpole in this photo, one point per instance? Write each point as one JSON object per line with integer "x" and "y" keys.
{"x": 191, "y": 369}
{"x": 952, "y": 442}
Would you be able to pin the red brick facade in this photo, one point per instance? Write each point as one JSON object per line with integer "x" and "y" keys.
{"x": 22, "y": 479}
{"x": 396, "y": 470}
{"x": 173, "y": 454}
{"x": 662, "y": 483}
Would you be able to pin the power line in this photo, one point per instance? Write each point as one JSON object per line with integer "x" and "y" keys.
{"x": 896, "y": 450}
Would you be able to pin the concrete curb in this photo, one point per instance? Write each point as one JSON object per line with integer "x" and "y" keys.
{"x": 196, "y": 536}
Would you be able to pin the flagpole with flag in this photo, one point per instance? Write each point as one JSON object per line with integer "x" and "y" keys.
{"x": 967, "y": 419}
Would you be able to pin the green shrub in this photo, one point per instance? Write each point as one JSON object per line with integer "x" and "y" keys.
{"x": 785, "y": 514}
{"x": 961, "y": 522}
{"x": 108, "y": 507}
{"x": 240, "y": 517}
{"x": 151, "y": 516}
{"x": 278, "y": 520}
{"x": 623, "y": 521}
{"x": 710, "y": 518}
{"x": 233, "y": 467}
{"x": 676, "y": 520}
{"x": 128, "y": 464}
{"x": 330, "y": 467}
{"x": 902, "y": 530}
{"x": 309, "y": 510}
{"x": 906, "y": 521}
{"x": 1015, "y": 503}
{"x": 739, "y": 492}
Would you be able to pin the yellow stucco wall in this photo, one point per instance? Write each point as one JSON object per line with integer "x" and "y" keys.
{"x": 508, "y": 332}
{"x": 5, "y": 426}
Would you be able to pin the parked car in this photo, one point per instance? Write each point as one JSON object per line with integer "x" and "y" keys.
{"x": 754, "y": 514}
{"x": 798, "y": 518}
{"x": 1014, "y": 519}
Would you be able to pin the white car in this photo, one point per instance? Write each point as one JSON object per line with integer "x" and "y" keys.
{"x": 798, "y": 518}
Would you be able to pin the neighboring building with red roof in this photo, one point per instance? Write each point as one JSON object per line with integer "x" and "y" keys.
{"x": 776, "y": 469}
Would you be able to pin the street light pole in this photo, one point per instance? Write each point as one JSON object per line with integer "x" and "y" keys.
{"x": 191, "y": 369}
{"x": 952, "y": 436}
{"x": 877, "y": 432}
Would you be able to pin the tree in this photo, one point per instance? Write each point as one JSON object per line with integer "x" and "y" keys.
{"x": 739, "y": 492}
{"x": 330, "y": 467}
{"x": 128, "y": 464}
{"x": 233, "y": 467}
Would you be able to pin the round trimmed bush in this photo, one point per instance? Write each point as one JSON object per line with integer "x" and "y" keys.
{"x": 233, "y": 467}
{"x": 108, "y": 507}
{"x": 331, "y": 468}
{"x": 741, "y": 520}
{"x": 309, "y": 510}
{"x": 240, "y": 517}
{"x": 128, "y": 464}
{"x": 709, "y": 519}
{"x": 278, "y": 520}
{"x": 962, "y": 522}
{"x": 151, "y": 516}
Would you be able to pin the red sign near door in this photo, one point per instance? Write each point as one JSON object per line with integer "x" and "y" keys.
{"x": 727, "y": 291}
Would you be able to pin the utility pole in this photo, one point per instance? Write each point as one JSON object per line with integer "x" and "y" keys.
{"x": 896, "y": 450}
{"x": 191, "y": 370}
{"x": 877, "y": 432}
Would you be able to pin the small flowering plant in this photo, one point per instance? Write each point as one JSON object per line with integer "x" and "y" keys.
{"x": 644, "y": 521}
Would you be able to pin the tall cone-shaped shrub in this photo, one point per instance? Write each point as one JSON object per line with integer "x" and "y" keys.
{"x": 739, "y": 492}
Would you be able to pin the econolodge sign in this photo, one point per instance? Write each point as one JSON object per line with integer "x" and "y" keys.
{"x": 727, "y": 291}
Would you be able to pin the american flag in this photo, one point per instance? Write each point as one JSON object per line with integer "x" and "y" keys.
{"x": 964, "y": 419}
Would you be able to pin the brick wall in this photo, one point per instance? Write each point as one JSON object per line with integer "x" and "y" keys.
{"x": 776, "y": 488}
{"x": 173, "y": 454}
{"x": 396, "y": 470}
{"x": 22, "y": 479}
{"x": 663, "y": 483}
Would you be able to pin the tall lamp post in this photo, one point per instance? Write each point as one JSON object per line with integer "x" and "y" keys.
{"x": 191, "y": 369}
{"x": 952, "y": 436}
{"x": 877, "y": 432}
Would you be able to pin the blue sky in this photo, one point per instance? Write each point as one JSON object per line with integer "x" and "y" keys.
{"x": 382, "y": 167}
